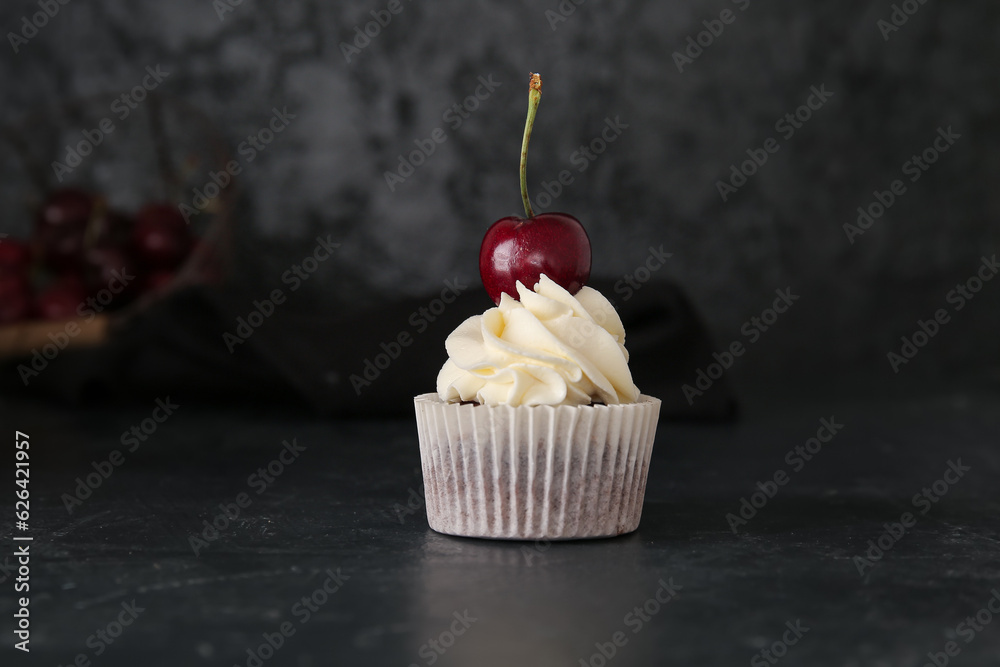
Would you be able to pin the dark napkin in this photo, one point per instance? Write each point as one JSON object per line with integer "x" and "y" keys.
{"x": 363, "y": 361}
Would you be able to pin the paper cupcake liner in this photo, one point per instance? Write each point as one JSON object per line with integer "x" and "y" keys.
{"x": 539, "y": 472}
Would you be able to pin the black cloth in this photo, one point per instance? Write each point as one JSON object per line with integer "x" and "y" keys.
{"x": 350, "y": 362}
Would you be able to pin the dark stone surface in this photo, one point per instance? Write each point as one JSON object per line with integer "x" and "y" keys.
{"x": 337, "y": 506}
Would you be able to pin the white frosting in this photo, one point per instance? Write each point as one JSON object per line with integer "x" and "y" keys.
{"x": 549, "y": 348}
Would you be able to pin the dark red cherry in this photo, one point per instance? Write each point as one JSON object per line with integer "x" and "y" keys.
{"x": 60, "y": 227}
{"x": 161, "y": 239}
{"x": 15, "y": 297}
{"x": 521, "y": 249}
{"x": 62, "y": 299}
{"x": 62, "y": 248}
{"x": 15, "y": 257}
{"x": 114, "y": 269}
{"x": 68, "y": 207}
{"x": 159, "y": 280}
{"x": 163, "y": 213}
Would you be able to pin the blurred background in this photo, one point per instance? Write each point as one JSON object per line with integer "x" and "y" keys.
{"x": 253, "y": 213}
{"x": 652, "y": 109}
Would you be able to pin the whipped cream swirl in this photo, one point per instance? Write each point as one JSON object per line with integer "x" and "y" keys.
{"x": 549, "y": 348}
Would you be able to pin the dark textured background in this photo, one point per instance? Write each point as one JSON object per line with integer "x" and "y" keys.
{"x": 655, "y": 185}
{"x": 540, "y": 604}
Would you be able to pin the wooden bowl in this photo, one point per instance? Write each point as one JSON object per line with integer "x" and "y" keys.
{"x": 163, "y": 150}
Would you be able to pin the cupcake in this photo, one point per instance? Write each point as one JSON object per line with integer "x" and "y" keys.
{"x": 536, "y": 430}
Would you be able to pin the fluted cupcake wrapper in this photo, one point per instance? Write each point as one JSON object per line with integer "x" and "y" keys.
{"x": 538, "y": 472}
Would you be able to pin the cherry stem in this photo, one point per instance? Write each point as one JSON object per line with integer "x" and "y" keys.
{"x": 534, "y": 97}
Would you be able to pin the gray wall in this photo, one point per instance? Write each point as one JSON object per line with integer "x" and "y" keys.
{"x": 655, "y": 184}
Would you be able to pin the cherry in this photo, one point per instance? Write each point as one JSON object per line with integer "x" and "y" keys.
{"x": 159, "y": 280}
{"x": 66, "y": 207}
{"x": 62, "y": 249}
{"x": 521, "y": 249}
{"x": 62, "y": 299}
{"x": 15, "y": 287}
{"x": 15, "y": 257}
{"x": 111, "y": 266}
{"x": 518, "y": 249}
{"x": 61, "y": 226}
{"x": 165, "y": 213}
{"x": 15, "y": 297}
{"x": 161, "y": 237}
